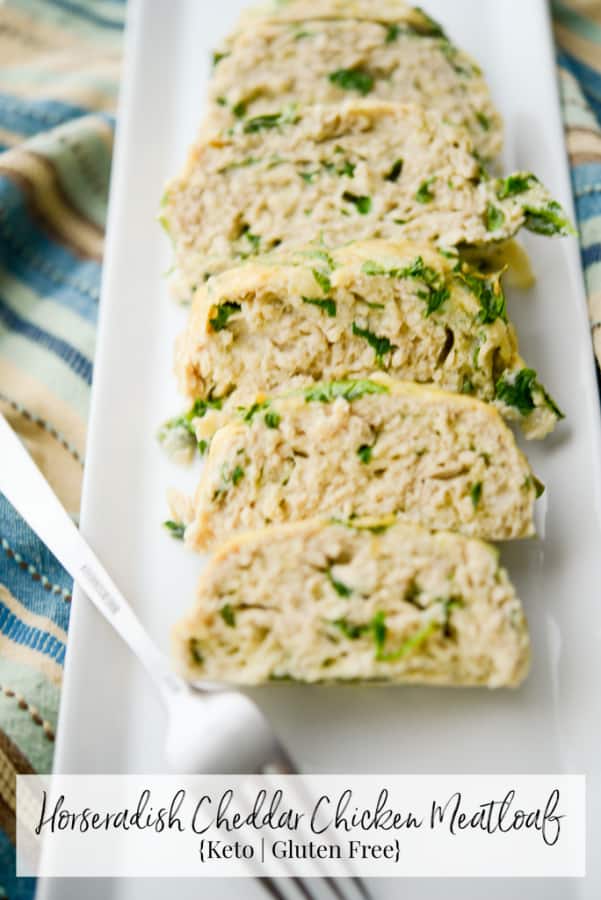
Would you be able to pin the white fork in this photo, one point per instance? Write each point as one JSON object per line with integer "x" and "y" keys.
{"x": 204, "y": 722}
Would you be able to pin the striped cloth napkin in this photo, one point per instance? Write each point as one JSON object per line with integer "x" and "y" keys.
{"x": 59, "y": 74}
{"x": 59, "y": 78}
{"x": 578, "y": 36}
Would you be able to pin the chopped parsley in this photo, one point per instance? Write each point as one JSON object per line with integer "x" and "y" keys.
{"x": 434, "y": 299}
{"x": 376, "y": 527}
{"x": 362, "y": 203}
{"x": 454, "y": 58}
{"x": 253, "y": 239}
{"x": 228, "y": 615}
{"x": 223, "y": 314}
{"x": 395, "y": 172}
{"x": 448, "y": 254}
{"x": 322, "y": 280}
{"x": 429, "y": 25}
{"x": 549, "y": 220}
{"x": 437, "y": 292}
{"x": 539, "y": 487}
{"x": 516, "y": 184}
{"x": 239, "y": 110}
{"x": 392, "y": 33}
{"x": 328, "y": 306}
{"x": 217, "y": 57}
{"x": 184, "y": 425}
{"x": 412, "y": 643}
{"x": 489, "y": 294}
{"x": 518, "y": 391}
{"x": 380, "y": 632}
{"x": 352, "y": 632}
{"x": 365, "y": 453}
{"x": 175, "y": 529}
{"x": 348, "y": 390}
{"x": 237, "y": 475}
{"x": 467, "y": 386}
{"x": 483, "y": 120}
{"x": 308, "y": 177}
{"x": 550, "y": 403}
{"x": 323, "y": 255}
{"x": 424, "y": 194}
{"x": 381, "y": 346}
{"x": 249, "y": 413}
{"x": 346, "y": 169}
{"x": 228, "y": 478}
{"x": 371, "y": 305}
{"x": 201, "y": 407}
{"x": 373, "y": 268}
{"x": 272, "y": 419}
{"x": 353, "y": 80}
{"x": 195, "y": 652}
{"x": 476, "y": 494}
{"x": 270, "y": 120}
{"x": 343, "y": 590}
{"x": 495, "y": 218}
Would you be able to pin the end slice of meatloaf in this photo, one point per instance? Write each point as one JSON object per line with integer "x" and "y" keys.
{"x": 275, "y": 65}
{"x": 388, "y": 603}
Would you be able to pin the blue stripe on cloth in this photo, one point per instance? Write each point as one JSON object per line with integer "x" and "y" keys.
{"x": 28, "y": 563}
{"x": 15, "y": 888}
{"x": 87, "y": 14}
{"x": 588, "y": 206}
{"x": 585, "y": 175}
{"x": 76, "y": 361}
{"x": 590, "y": 80}
{"x": 26, "y": 635}
{"x": 44, "y": 266}
{"x": 591, "y": 255}
{"x": 29, "y": 117}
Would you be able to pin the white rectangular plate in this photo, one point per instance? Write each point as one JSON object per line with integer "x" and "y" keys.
{"x": 110, "y": 719}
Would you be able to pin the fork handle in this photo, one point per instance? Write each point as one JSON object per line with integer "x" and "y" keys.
{"x": 27, "y": 490}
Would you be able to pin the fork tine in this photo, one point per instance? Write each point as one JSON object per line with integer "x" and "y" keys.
{"x": 303, "y": 888}
{"x": 361, "y": 887}
{"x": 271, "y": 887}
{"x": 283, "y": 764}
{"x": 335, "y": 888}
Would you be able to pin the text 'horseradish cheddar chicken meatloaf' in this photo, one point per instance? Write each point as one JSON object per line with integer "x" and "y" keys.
{"x": 263, "y": 69}
{"x": 403, "y": 308}
{"x": 366, "y": 448}
{"x": 319, "y": 602}
{"x": 359, "y": 170}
